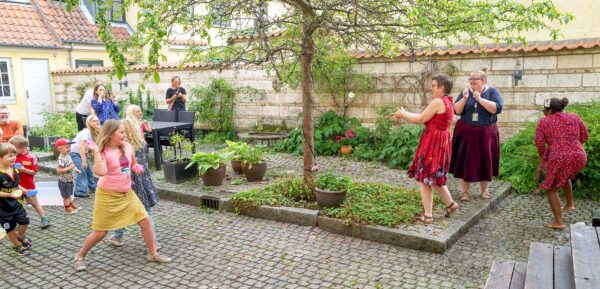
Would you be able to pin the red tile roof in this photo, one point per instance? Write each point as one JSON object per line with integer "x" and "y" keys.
{"x": 137, "y": 68}
{"x": 498, "y": 48}
{"x": 47, "y": 23}
{"x": 187, "y": 42}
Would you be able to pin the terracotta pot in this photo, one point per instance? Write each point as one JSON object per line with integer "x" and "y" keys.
{"x": 254, "y": 172}
{"x": 346, "y": 150}
{"x": 329, "y": 199}
{"x": 214, "y": 177}
{"x": 236, "y": 165}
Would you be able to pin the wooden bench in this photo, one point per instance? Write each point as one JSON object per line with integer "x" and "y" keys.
{"x": 585, "y": 244}
{"x": 506, "y": 275}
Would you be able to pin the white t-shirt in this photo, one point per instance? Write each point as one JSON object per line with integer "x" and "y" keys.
{"x": 84, "y": 134}
{"x": 86, "y": 102}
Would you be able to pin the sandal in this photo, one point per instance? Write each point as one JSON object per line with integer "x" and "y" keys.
{"x": 26, "y": 242}
{"x": 425, "y": 219}
{"x": 465, "y": 197}
{"x": 554, "y": 226}
{"x": 485, "y": 194}
{"x": 450, "y": 209}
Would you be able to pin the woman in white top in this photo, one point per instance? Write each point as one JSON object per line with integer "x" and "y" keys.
{"x": 84, "y": 108}
{"x": 81, "y": 150}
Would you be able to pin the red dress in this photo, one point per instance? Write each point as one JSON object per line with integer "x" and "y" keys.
{"x": 432, "y": 159}
{"x": 559, "y": 138}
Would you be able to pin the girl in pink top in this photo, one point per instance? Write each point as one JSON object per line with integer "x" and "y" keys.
{"x": 116, "y": 205}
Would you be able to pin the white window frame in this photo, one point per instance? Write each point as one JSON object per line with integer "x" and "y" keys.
{"x": 12, "y": 97}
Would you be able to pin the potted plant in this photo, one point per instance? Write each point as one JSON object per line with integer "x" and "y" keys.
{"x": 237, "y": 150}
{"x": 211, "y": 167}
{"x": 330, "y": 191}
{"x": 56, "y": 125}
{"x": 254, "y": 167}
{"x": 176, "y": 168}
{"x": 346, "y": 141}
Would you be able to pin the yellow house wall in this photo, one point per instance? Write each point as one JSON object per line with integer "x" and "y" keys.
{"x": 57, "y": 59}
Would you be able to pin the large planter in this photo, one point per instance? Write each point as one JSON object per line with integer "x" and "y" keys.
{"x": 236, "y": 165}
{"x": 254, "y": 172}
{"x": 214, "y": 177}
{"x": 329, "y": 199}
{"x": 346, "y": 150}
{"x": 176, "y": 173}
{"x": 37, "y": 141}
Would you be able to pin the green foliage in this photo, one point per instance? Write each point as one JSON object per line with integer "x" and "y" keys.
{"x": 379, "y": 204}
{"x": 237, "y": 150}
{"x": 282, "y": 192}
{"x": 400, "y": 146}
{"x": 181, "y": 143}
{"x": 214, "y": 105}
{"x": 207, "y": 161}
{"x": 57, "y": 124}
{"x": 520, "y": 160}
{"x": 327, "y": 181}
{"x": 328, "y": 126}
{"x": 292, "y": 144}
{"x": 254, "y": 155}
{"x": 148, "y": 105}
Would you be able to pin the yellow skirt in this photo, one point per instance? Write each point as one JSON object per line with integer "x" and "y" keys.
{"x": 114, "y": 210}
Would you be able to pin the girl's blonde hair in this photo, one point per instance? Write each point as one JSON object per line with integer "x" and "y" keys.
{"x": 133, "y": 127}
{"x": 108, "y": 129}
{"x": 93, "y": 130}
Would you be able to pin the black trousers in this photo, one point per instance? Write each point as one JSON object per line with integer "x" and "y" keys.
{"x": 80, "y": 120}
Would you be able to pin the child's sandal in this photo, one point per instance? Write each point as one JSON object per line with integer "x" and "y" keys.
{"x": 450, "y": 209}
{"x": 425, "y": 219}
{"x": 21, "y": 250}
{"x": 26, "y": 242}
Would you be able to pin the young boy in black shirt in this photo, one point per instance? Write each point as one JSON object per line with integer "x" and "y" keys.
{"x": 12, "y": 211}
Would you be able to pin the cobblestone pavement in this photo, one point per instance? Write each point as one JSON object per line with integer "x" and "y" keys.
{"x": 215, "y": 250}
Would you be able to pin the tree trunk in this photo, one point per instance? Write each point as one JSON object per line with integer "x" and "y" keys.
{"x": 306, "y": 59}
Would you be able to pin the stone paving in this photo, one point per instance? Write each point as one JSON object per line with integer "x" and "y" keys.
{"x": 216, "y": 250}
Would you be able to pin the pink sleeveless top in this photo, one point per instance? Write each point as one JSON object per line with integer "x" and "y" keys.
{"x": 118, "y": 175}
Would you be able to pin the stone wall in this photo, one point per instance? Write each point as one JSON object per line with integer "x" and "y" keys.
{"x": 574, "y": 73}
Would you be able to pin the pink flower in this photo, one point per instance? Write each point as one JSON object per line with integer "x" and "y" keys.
{"x": 349, "y": 134}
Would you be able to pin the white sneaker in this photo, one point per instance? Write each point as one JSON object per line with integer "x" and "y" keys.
{"x": 79, "y": 263}
{"x": 158, "y": 258}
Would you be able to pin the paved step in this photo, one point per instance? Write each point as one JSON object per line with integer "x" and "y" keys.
{"x": 585, "y": 246}
{"x": 506, "y": 274}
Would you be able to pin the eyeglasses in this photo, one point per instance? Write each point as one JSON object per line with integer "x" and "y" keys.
{"x": 473, "y": 79}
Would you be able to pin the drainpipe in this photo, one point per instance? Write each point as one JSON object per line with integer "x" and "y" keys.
{"x": 71, "y": 56}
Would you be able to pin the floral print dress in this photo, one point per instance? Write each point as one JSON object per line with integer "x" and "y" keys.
{"x": 559, "y": 139}
{"x": 432, "y": 158}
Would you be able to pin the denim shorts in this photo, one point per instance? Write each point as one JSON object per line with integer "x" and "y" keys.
{"x": 66, "y": 189}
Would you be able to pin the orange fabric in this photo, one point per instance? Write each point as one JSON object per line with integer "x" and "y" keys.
{"x": 11, "y": 129}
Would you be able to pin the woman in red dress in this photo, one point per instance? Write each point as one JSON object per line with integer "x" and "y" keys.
{"x": 559, "y": 137}
{"x": 432, "y": 158}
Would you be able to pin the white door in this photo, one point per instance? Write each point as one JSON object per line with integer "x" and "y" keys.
{"x": 36, "y": 78}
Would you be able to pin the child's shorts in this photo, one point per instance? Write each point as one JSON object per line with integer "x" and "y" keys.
{"x": 9, "y": 223}
{"x": 66, "y": 189}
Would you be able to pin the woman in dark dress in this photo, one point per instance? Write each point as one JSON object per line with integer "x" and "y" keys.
{"x": 176, "y": 95}
{"x": 432, "y": 158}
{"x": 476, "y": 142}
{"x": 559, "y": 138}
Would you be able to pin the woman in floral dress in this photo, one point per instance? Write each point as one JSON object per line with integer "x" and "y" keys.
{"x": 432, "y": 159}
{"x": 559, "y": 137}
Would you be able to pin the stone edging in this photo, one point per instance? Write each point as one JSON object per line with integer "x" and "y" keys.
{"x": 394, "y": 236}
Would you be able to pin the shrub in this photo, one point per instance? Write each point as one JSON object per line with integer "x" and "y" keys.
{"x": 57, "y": 124}
{"x": 329, "y": 182}
{"x": 282, "y": 192}
{"x": 400, "y": 146}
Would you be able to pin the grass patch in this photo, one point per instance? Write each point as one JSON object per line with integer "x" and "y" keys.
{"x": 367, "y": 203}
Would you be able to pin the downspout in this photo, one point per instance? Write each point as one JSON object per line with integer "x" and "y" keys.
{"x": 71, "y": 55}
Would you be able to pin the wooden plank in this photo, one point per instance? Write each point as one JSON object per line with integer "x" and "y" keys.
{"x": 586, "y": 256}
{"x": 563, "y": 268}
{"x": 539, "y": 267}
{"x": 500, "y": 275}
{"x": 518, "y": 276}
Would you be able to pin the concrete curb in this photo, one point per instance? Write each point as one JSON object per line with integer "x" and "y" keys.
{"x": 298, "y": 216}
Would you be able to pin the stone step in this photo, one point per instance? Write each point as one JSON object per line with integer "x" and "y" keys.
{"x": 585, "y": 246}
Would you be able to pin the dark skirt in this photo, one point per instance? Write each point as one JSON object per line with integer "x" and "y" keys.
{"x": 475, "y": 152}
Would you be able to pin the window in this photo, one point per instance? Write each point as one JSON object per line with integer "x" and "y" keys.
{"x": 115, "y": 13}
{"x": 5, "y": 79}
{"x": 220, "y": 17}
{"x": 88, "y": 63}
